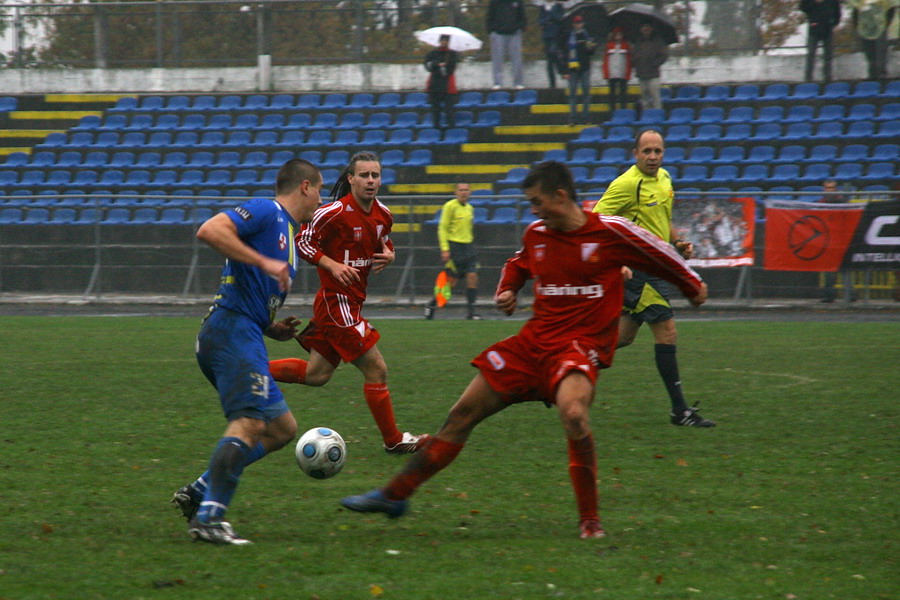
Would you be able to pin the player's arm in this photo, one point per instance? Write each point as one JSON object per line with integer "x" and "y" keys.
{"x": 382, "y": 259}
{"x": 221, "y": 234}
{"x": 309, "y": 249}
{"x": 283, "y": 330}
{"x": 513, "y": 276}
{"x": 642, "y": 250}
{"x": 444, "y": 232}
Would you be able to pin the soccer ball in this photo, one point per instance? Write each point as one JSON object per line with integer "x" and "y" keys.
{"x": 321, "y": 452}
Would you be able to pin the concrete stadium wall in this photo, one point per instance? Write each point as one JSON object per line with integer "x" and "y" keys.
{"x": 388, "y": 77}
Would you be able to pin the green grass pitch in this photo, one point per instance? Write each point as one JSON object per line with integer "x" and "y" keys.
{"x": 793, "y": 496}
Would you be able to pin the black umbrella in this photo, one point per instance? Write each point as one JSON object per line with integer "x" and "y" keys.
{"x": 596, "y": 21}
{"x": 631, "y": 17}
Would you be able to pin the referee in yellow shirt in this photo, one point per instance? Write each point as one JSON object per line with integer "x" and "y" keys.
{"x": 644, "y": 195}
{"x": 458, "y": 253}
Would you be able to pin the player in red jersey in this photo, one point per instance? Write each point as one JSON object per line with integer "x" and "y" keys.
{"x": 347, "y": 240}
{"x": 575, "y": 258}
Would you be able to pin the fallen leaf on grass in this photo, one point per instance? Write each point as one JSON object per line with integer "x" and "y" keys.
{"x": 376, "y": 590}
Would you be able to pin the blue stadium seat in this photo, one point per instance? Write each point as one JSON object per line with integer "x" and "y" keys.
{"x": 798, "y": 131}
{"x": 835, "y": 90}
{"x": 245, "y": 121}
{"x": 888, "y": 130}
{"x": 807, "y": 90}
{"x": 316, "y": 139}
{"x": 255, "y": 159}
{"x": 393, "y": 157}
{"x": 372, "y": 137}
{"x": 272, "y": 122}
{"x": 279, "y": 157}
{"x": 42, "y": 158}
{"x": 622, "y": 116}
{"x": 218, "y": 122}
{"x": 487, "y": 118}
{"x": 729, "y": 155}
{"x": 172, "y": 215}
{"x": 513, "y": 177}
{"x": 112, "y": 122}
{"x": 700, "y": 155}
{"x": 335, "y": 101}
{"x": 770, "y": 114}
{"x": 111, "y": 178}
{"x": 88, "y": 215}
{"x": 232, "y": 102}
{"x": 889, "y": 112}
{"x": 351, "y": 120}
{"x": 504, "y": 215}
{"x": 853, "y": 153}
{"x": 754, "y": 172}
{"x": 603, "y": 175}
{"x": 298, "y": 121}
{"x": 428, "y": 136}
{"x": 716, "y": 94}
{"x": 178, "y": 103}
{"x": 264, "y": 139}
{"x": 785, "y": 172}
{"x": 799, "y": 113}
{"x": 379, "y": 120}
{"x": 227, "y": 159}
{"x": 10, "y": 215}
{"x": 419, "y": 157}
{"x": 470, "y": 99}
{"x": 463, "y": 118}
{"x": 95, "y": 159}
{"x": 283, "y": 102}
{"x": 165, "y": 122}
{"x": 325, "y": 120}
{"x": 152, "y": 103}
{"x": 204, "y": 103}
{"x": 137, "y": 177}
{"x": 255, "y": 102}
{"x": 589, "y": 135}
{"x": 675, "y": 133}
{"x": 859, "y": 130}
{"x": 681, "y": 115}
{"x": 192, "y": 122}
{"x": 415, "y": 100}
{"x": 865, "y": 89}
{"x": 139, "y": 122}
{"x": 583, "y": 156}
{"x": 723, "y": 174}
{"x": 737, "y": 132}
{"x": 69, "y": 158}
{"x": 766, "y": 132}
{"x": 498, "y": 98}
{"x": 388, "y": 100}
{"x": 615, "y": 155}
{"x": 694, "y": 173}
{"x": 555, "y": 154}
{"x": 687, "y": 92}
{"x": 880, "y": 171}
{"x": 309, "y": 101}
{"x": 238, "y": 139}
{"x": 790, "y": 153}
{"x": 399, "y": 137}
{"x": 674, "y": 154}
{"x": 822, "y": 153}
{"x": 63, "y": 216}
{"x": 747, "y": 92}
{"x": 336, "y": 158}
{"x": 190, "y": 178}
{"x": 16, "y": 159}
{"x": 707, "y": 132}
{"x": 775, "y": 91}
{"x": 163, "y": 178}
{"x": 847, "y": 172}
{"x": 886, "y": 152}
{"x": 148, "y": 160}
{"x": 891, "y": 89}
{"x": 651, "y": 117}
{"x": 525, "y": 98}
{"x": 144, "y": 215}
{"x": 126, "y": 104}
{"x": 861, "y": 112}
{"x": 622, "y": 133}
{"x": 245, "y": 177}
{"x": 816, "y": 173}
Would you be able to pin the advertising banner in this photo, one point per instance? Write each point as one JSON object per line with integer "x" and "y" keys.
{"x": 721, "y": 230}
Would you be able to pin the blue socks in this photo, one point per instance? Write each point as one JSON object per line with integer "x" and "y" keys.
{"x": 226, "y": 464}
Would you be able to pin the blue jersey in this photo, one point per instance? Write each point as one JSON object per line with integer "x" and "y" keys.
{"x": 266, "y": 227}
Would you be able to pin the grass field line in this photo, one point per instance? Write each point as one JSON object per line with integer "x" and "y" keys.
{"x": 797, "y": 379}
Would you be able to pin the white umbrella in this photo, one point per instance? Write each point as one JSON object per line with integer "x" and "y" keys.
{"x": 460, "y": 39}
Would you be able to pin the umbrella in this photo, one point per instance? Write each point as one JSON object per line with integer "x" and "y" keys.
{"x": 460, "y": 39}
{"x": 631, "y": 17}
{"x": 596, "y": 21}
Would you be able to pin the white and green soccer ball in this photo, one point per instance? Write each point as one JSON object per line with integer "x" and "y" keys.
{"x": 321, "y": 452}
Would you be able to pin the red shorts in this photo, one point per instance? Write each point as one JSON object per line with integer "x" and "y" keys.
{"x": 520, "y": 373}
{"x": 338, "y": 344}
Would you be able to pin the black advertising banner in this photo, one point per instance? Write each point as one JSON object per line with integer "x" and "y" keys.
{"x": 876, "y": 241}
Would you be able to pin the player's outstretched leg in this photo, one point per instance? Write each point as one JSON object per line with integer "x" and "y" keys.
{"x": 376, "y": 501}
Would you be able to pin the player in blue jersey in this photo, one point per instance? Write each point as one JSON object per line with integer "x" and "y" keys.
{"x": 256, "y": 239}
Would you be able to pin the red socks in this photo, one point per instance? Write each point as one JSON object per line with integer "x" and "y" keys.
{"x": 583, "y": 473}
{"x": 288, "y": 370}
{"x": 434, "y": 456}
{"x": 379, "y": 400}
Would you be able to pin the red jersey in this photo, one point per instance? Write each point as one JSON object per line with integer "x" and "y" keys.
{"x": 578, "y": 285}
{"x": 344, "y": 232}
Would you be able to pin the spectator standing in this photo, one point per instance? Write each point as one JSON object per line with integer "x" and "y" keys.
{"x": 648, "y": 54}
{"x": 617, "y": 68}
{"x": 822, "y": 16}
{"x": 441, "y": 66}
{"x": 832, "y": 195}
{"x": 579, "y": 48}
{"x": 456, "y": 241}
{"x": 575, "y": 259}
{"x": 255, "y": 239}
{"x": 505, "y": 23}
{"x": 551, "y": 16}
{"x": 347, "y": 240}
{"x": 644, "y": 195}
{"x": 870, "y": 20}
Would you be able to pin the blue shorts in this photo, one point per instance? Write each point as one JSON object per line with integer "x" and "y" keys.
{"x": 232, "y": 354}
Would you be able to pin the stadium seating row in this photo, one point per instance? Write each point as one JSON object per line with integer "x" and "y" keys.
{"x": 8, "y": 103}
{"x": 252, "y": 122}
{"x": 735, "y": 154}
{"x": 775, "y": 113}
{"x": 746, "y": 132}
{"x": 327, "y": 102}
{"x": 783, "y": 92}
{"x": 162, "y": 140}
{"x": 55, "y": 179}
{"x": 98, "y": 159}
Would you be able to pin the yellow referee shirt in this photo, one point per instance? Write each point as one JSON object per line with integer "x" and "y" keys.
{"x": 642, "y": 199}
{"x": 456, "y": 224}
